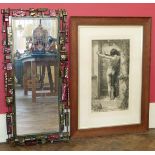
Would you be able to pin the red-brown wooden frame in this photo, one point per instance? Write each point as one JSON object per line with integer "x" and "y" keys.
{"x": 96, "y": 21}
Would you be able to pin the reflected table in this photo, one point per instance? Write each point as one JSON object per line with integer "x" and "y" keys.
{"x": 30, "y": 79}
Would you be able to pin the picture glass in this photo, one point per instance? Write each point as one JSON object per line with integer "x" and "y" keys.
{"x": 109, "y": 68}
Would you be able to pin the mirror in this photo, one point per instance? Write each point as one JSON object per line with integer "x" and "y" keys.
{"x": 36, "y": 64}
{"x": 35, "y": 61}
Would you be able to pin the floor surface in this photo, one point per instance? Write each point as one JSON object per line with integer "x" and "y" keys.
{"x": 140, "y": 142}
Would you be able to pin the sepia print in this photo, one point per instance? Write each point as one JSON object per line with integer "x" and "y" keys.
{"x": 110, "y": 72}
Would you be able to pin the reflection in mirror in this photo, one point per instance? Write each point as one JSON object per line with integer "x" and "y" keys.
{"x": 36, "y": 61}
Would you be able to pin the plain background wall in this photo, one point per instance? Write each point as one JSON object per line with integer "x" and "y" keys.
{"x": 130, "y": 10}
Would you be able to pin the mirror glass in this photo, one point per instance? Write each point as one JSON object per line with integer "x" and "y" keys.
{"x": 36, "y": 62}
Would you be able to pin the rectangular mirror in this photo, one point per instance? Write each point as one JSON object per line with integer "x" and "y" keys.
{"x": 37, "y": 65}
{"x": 36, "y": 75}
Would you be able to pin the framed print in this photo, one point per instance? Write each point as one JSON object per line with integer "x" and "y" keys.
{"x": 109, "y": 75}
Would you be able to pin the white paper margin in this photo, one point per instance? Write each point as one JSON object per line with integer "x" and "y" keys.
{"x": 88, "y": 119}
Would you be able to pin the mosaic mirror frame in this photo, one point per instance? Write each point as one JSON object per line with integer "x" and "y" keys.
{"x": 9, "y": 79}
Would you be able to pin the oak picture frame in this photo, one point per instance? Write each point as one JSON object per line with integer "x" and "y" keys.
{"x": 76, "y": 21}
